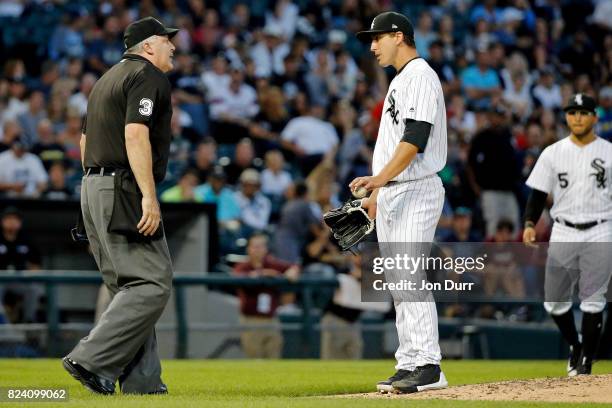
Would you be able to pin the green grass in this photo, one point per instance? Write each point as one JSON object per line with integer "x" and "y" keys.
{"x": 293, "y": 383}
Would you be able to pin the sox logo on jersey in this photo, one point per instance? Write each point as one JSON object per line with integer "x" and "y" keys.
{"x": 600, "y": 172}
{"x": 391, "y": 109}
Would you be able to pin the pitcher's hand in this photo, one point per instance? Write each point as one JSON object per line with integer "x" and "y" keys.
{"x": 369, "y": 182}
{"x": 370, "y": 205}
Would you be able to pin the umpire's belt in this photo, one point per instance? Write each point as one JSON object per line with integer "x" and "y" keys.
{"x": 583, "y": 226}
{"x": 100, "y": 171}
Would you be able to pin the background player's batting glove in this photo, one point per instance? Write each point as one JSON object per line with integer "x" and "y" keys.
{"x": 350, "y": 223}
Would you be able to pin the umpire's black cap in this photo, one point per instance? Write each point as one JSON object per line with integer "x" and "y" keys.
{"x": 144, "y": 28}
{"x": 388, "y": 22}
{"x": 581, "y": 101}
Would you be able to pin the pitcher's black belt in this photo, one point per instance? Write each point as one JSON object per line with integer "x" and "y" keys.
{"x": 582, "y": 226}
{"x": 100, "y": 171}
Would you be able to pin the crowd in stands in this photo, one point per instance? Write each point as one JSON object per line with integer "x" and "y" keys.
{"x": 277, "y": 105}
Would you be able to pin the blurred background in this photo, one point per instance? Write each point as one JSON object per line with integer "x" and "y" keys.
{"x": 276, "y": 108}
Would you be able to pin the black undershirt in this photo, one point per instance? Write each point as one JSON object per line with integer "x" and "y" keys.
{"x": 535, "y": 205}
{"x": 416, "y": 133}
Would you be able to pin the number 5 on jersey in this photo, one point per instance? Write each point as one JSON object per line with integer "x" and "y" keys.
{"x": 563, "y": 181}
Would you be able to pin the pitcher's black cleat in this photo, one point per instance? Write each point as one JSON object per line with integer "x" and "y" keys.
{"x": 427, "y": 377}
{"x": 385, "y": 385}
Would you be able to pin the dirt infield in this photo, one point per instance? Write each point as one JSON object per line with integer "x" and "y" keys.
{"x": 594, "y": 388}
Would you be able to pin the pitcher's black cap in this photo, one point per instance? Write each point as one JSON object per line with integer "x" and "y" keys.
{"x": 142, "y": 29}
{"x": 388, "y": 22}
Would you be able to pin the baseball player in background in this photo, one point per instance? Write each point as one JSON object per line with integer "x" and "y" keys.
{"x": 576, "y": 172}
{"x": 407, "y": 195}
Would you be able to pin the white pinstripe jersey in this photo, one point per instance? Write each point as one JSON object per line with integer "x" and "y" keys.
{"x": 579, "y": 179}
{"x": 415, "y": 93}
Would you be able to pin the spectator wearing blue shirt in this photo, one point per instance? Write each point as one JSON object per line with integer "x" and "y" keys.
{"x": 480, "y": 82}
{"x": 67, "y": 39}
{"x": 106, "y": 51}
{"x": 255, "y": 208}
{"x": 215, "y": 192}
{"x": 228, "y": 209}
{"x": 486, "y": 11}
{"x": 604, "y": 114}
{"x": 461, "y": 229}
{"x": 189, "y": 90}
{"x": 30, "y": 119}
{"x": 424, "y": 34}
{"x": 529, "y": 17}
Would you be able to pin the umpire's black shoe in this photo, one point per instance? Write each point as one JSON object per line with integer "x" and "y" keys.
{"x": 572, "y": 361}
{"x": 427, "y": 377}
{"x": 385, "y": 386}
{"x": 584, "y": 366}
{"x": 161, "y": 390}
{"x": 91, "y": 381}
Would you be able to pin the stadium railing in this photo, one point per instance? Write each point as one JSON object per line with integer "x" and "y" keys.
{"x": 304, "y": 286}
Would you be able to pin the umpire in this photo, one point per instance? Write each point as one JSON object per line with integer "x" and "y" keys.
{"x": 125, "y": 147}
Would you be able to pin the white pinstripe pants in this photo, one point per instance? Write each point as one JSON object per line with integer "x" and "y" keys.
{"x": 409, "y": 212}
{"x": 578, "y": 257}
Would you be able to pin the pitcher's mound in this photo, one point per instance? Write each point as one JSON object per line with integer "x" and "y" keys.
{"x": 583, "y": 388}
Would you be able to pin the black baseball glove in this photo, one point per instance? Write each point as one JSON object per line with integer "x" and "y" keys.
{"x": 350, "y": 223}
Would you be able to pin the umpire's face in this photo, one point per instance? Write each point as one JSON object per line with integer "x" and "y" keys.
{"x": 161, "y": 50}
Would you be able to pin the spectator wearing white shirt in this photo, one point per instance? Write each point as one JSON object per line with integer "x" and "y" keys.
{"x": 460, "y": 119}
{"x": 30, "y": 119}
{"x": 319, "y": 80}
{"x": 516, "y": 94}
{"x": 269, "y": 53}
{"x": 517, "y": 83}
{"x": 547, "y": 93}
{"x": 336, "y": 40}
{"x": 309, "y": 137}
{"x": 78, "y": 101}
{"x": 255, "y": 208}
{"x": 275, "y": 180}
{"x": 10, "y": 131}
{"x": 216, "y": 79}
{"x": 232, "y": 110}
{"x": 285, "y": 15}
{"x": 601, "y": 14}
{"x": 16, "y": 104}
{"x": 22, "y": 174}
{"x": 344, "y": 80}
